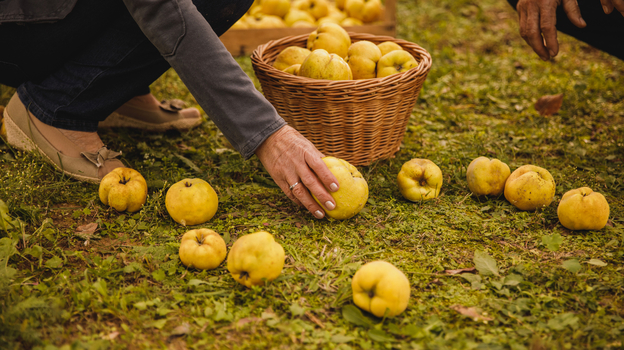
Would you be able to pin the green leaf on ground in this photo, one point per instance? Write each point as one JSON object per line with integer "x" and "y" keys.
{"x": 54, "y": 263}
{"x": 340, "y": 338}
{"x": 552, "y": 242}
{"x": 597, "y": 262}
{"x": 485, "y": 264}
{"x": 354, "y": 315}
{"x": 380, "y": 336}
{"x": 560, "y": 322}
{"x": 572, "y": 265}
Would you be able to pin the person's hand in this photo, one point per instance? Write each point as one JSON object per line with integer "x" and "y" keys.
{"x": 609, "y": 5}
{"x": 538, "y": 19}
{"x": 292, "y": 159}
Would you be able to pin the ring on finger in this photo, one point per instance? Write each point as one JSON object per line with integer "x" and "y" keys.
{"x": 293, "y": 185}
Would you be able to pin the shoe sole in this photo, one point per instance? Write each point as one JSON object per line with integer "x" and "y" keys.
{"x": 116, "y": 120}
{"x": 18, "y": 139}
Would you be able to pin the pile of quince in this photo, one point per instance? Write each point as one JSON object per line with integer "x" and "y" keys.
{"x": 309, "y": 13}
{"x": 329, "y": 54}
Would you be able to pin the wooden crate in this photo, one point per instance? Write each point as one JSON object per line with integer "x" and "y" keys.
{"x": 240, "y": 42}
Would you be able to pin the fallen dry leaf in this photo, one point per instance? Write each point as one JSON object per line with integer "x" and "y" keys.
{"x": 111, "y": 336}
{"x": 181, "y": 330}
{"x": 244, "y": 321}
{"x": 549, "y": 104}
{"x": 471, "y": 312}
{"x": 87, "y": 229}
{"x": 458, "y": 271}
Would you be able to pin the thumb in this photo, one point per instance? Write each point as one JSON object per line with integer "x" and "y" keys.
{"x": 573, "y": 12}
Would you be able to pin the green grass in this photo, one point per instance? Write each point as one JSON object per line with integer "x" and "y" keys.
{"x": 550, "y": 288}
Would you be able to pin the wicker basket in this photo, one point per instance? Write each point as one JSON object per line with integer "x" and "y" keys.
{"x": 359, "y": 121}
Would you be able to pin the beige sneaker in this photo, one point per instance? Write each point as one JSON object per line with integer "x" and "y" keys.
{"x": 27, "y": 133}
{"x": 142, "y": 113}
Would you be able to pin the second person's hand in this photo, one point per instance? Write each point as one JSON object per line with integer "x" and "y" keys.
{"x": 538, "y": 19}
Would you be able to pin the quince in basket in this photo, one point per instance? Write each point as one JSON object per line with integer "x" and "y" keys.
{"x": 362, "y": 58}
{"x": 294, "y": 69}
{"x": 388, "y": 46}
{"x": 290, "y": 56}
{"x": 321, "y": 64}
{"x": 394, "y": 62}
{"x": 330, "y": 37}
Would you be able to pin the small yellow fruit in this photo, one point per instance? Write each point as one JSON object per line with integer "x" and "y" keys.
{"x": 487, "y": 177}
{"x": 388, "y": 46}
{"x": 124, "y": 189}
{"x": 583, "y": 209}
{"x": 397, "y": 61}
{"x": 381, "y": 289}
{"x": 330, "y": 37}
{"x": 255, "y": 258}
{"x": 294, "y": 69}
{"x": 352, "y": 193}
{"x": 362, "y": 58}
{"x": 420, "y": 179}
{"x": 323, "y": 65}
{"x": 530, "y": 187}
{"x": 202, "y": 249}
{"x": 289, "y": 56}
{"x": 191, "y": 202}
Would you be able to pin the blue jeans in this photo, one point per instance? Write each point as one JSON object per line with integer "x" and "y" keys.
{"x": 74, "y": 72}
{"x": 604, "y": 32}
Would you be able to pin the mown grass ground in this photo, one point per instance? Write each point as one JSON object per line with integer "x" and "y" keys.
{"x": 550, "y": 288}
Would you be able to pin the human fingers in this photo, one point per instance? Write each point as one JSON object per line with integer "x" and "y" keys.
{"x": 609, "y": 5}
{"x": 314, "y": 175}
{"x": 573, "y": 12}
{"x": 530, "y": 27}
{"x": 285, "y": 155}
{"x": 548, "y": 22}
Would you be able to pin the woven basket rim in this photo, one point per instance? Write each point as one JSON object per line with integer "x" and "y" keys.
{"x": 259, "y": 61}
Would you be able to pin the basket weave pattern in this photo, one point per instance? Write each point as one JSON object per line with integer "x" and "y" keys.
{"x": 359, "y": 121}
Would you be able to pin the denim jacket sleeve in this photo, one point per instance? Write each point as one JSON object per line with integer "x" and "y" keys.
{"x": 186, "y": 40}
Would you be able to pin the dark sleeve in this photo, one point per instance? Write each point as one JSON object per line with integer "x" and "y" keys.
{"x": 221, "y": 87}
